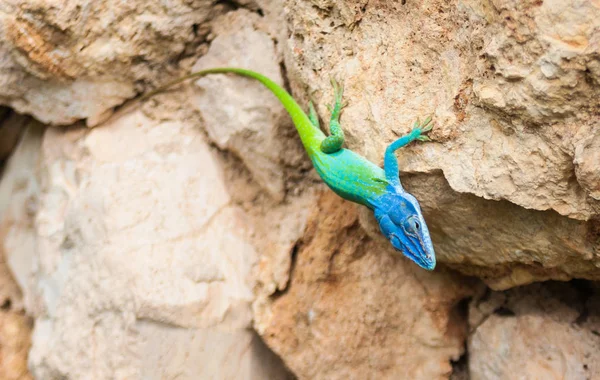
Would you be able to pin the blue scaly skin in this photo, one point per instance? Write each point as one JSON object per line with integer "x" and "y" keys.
{"x": 350, "y": 175}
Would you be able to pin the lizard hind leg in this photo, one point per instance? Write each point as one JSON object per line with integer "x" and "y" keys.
{"x": 312, "y": 115}
{"x": 335, "y": 140}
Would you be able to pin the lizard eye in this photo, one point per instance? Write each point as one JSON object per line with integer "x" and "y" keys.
{"x": 411, "y": 226}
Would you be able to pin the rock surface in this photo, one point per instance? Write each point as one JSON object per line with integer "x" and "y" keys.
{"x": 514, "y": 92}
{"x": 111, "y": 274}
{"x": 11, "y": 127}
{"x": 353, "y": 308}
{"x": 15, "y": 341}
{"x": 18, "y": 188}
{"x": 150, "y": 246}
{"x": 547, "y": 331}
{"x": 66, "y": 61}
{"x": 502, "y": 93}
{"x": 245, "y": 125}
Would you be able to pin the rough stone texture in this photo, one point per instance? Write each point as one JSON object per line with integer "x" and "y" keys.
{"x": 513, "y": 88}
{"x": 19, "y": 191}
{"x": 548, "y": 331}
{"x": 525, "y": 246}
{"x": 135, "y": 243}
{"x": 15, "y": 340}
{"x": 11, "y": 126}
{"x": 62, "y": 61}
{"x": 353, "y": 309}
{"x": 109, "y": 273}
{"x": 243, "y": 124}
{"x": 17, "y": 209}
{"x": 587, "y": 157}
{"x": 207, "y": 354}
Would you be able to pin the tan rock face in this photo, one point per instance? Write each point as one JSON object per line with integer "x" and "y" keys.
{"x": 17, "y": 208}
{"x": 66, "y": 61}
{"x": 514, "y": 93}
{"x": 103, "y": 270}
{"x": 547, "y": 331}
{"x": 11, "y": 127}
{"x": 500, "y": 242}
{"x": 353, "y": 308}
{"x": 171, "y": 229}
{"x": 15, "y": 341}
{"x": 19, "y": 204}
{"x": 246, "y": 125}
{"x": 587, "y": 157}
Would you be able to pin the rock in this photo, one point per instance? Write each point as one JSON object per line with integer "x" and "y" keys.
{"x": 547, "y": 331}
{"x": 587, "y": 157}
{"x": 353, "y": 309}
{"x": 186, "y": 223}
{"x": 11, "y": 127}
{"x": 501, "y": 243}
{"x": 18, "y": 190}
{"x": 19, "y": 204}
{"x": 15, "y": 338}
{"x": 240, "y": 114}
{"x": 513, "y": 89}
{"x": 207, "y": 354}
{"x": 127, "y": 244}
{"x": 62, "y": 62}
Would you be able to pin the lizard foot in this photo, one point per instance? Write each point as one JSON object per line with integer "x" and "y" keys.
{"x": 335, "y": 140}
{"x": 338, "y": 104}
{"x": 423, "y": 127}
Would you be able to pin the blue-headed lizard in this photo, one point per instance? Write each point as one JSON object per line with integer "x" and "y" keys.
{"x": 350, "y": 175}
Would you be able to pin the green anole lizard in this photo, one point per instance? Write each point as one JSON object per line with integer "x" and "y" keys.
{"x": 350, "y": 175}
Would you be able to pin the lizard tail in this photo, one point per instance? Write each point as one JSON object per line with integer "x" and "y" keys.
{"x": 310, "y": 135}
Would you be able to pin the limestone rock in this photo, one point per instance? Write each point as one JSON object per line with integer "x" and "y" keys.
{"x": 514, "y": 92}
{"x": 207, "y": 354}
{"x": 15, "y": 340}
{"x": 240, "y": 114}
{"x": 182, "y": 225}
{"x": 18, "y": 189}
{"x": 501, "y": 243}
{"x": 547, "y": 331}
{"x": 19, "y": 200}
{"x": 11, "y": 127}
{"x": 353, "y": 309}
{"x": 587, "y": 157}
{"x": 127, "y": 244}
{"x": 64, "y": 61}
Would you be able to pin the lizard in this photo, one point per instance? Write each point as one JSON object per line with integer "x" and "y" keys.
{"x": 347, "y": 173}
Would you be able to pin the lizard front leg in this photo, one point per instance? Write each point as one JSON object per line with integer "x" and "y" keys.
{"x": 390, "y": 162}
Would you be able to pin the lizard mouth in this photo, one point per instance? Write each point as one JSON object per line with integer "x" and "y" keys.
{"x": 420, "y": 256}
{"x": 423, "y": 260}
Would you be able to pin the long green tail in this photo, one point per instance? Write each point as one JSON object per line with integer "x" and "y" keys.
{"x": 310, "y": 135}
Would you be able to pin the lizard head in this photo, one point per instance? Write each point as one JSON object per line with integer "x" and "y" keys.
{"x": 402, "y": 223}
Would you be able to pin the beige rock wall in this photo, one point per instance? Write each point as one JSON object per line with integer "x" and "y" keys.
{"x": 152, "y": 245}
{"x": 17, "y": 208}
{"x": 354, "y": 310}
{"x": 63, "y": 61}
{"x": 120, "y": 289}
{"x": 547, "y": 331}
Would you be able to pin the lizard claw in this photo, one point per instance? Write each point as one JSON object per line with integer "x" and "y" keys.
{"x": 312, "y": 113}
{"x": 338, "y": 89}
{"x": 424, "y": 126}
